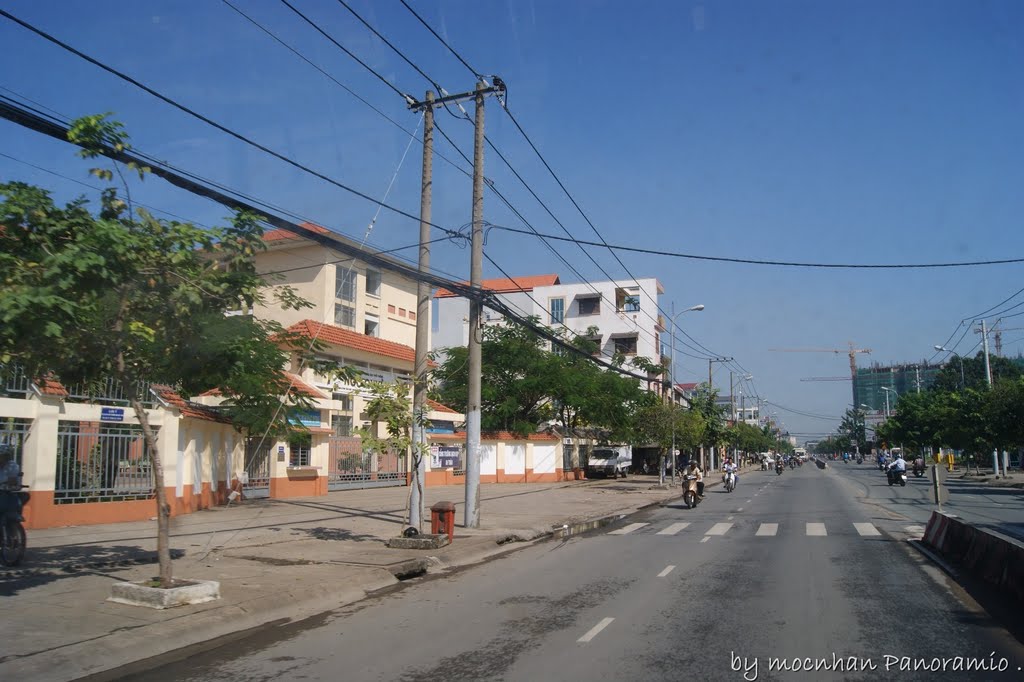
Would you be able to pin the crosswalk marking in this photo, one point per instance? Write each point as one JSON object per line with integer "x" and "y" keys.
{"x": 816, "y": 529}
{"x": 628, "y": 529}
{"x": 866, "y": 529}
{"x": 719, "y": 529}
{"x": 768, "y": 529}
{"x": 674, "y": 528}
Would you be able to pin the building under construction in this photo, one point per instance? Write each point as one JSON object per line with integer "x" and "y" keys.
{"x": 874, "y": 383}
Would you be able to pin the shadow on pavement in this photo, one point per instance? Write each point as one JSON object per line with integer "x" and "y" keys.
{"x": 50, "y": 564}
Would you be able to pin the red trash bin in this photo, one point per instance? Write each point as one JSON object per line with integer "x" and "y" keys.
{"x": 442, "y": 519}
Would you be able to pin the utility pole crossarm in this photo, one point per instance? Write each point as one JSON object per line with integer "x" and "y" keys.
{"x": 452, "y": 99}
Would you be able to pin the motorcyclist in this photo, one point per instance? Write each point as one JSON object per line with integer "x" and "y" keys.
{"x": 899, "y": 464}
{"x": 694, "y": 470}
{"x": 10, "y": 475}
{"x": 730, "y": 468}
{"x": 919, "y": 464}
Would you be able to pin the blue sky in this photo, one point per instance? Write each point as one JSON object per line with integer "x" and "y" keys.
{"x": 865, "y": 132}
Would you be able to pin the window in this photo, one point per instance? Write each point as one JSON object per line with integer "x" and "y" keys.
{"x": 590, "y": 305}
{"x": 557, "y": 310}
{"x": 344, "y": 315}
{"x": 300, "y": 447}
{"x": 412, "y": 315}
{"x": 345, "y": 284}
{"x": 341, "y": 425}
{"x": 626, "y": 345}
{"x": 344, "y": 398}
{"x": 372, "y": 283}
{"x": 627, "y": 300}
{"x": 371, "y": 325}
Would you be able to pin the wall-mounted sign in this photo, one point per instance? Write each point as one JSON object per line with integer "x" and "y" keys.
{"x": 445, "y": 456}
{"x": 112, "y": 414}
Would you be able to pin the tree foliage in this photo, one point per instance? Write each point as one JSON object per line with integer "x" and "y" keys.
{"x": 115, "y": 292}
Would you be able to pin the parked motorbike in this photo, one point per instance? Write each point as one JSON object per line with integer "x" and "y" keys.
{"x": 893, "y": 477}
{"x": 12, "y": 532}
{"x": 690, "y": 496}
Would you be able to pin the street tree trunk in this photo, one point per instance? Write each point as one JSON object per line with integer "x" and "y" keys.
{"x": 163, "y": 509}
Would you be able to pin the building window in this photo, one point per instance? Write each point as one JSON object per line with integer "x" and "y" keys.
{"x": 371, "y": 325}
{"x": 627, "y": 299}
{"x": 345, "y": 284}
{"x": 401, "y": 312}
{"x": 590, "y": 305}
{"x": 626, "y": 345}
{"x": 392, "y": 309}
{"x": 412, "y": 315}
{"x": 300, "y": 447}
{"x": 372, "y": 283}
{"x": 557, "y": 310}
{"x": 344, "y": 315}
{"x": 341, "y": 425}
{"x": 344, "y": 398}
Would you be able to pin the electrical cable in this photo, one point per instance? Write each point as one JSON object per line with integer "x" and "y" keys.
{"x": 209, "y": 121}
{"x": 476, "y": 74}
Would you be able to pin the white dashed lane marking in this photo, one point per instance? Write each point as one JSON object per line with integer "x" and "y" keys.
{"x": 705, "y": 538}
{"x": 674, "y": 528}
{"x": 816, "y": 529}
{"x": 596, "y": 630}
{"x": 767, "y": 529}
{"x": 628, "y": 529}
{"x": 668, "y": 569}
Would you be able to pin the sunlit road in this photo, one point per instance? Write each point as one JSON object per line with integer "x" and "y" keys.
{"x": 1001, "y": 509}
{"x": 786, "y": 566}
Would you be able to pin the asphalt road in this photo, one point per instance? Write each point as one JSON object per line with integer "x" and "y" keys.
{"x": 1001, "y": 509}
{"x": 791, "y": 566}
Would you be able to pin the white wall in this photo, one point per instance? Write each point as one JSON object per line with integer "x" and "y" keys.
{"x": 544, "y": 459}
{"x": 515, "y": 458}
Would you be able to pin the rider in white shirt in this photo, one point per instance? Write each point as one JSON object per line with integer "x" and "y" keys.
{"x": 730, "y": 468}
{"x": 899, "y": 464}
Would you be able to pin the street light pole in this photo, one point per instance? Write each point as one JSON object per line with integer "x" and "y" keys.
{"x": 963, "y": 382}
{"x": 672, "y": 387}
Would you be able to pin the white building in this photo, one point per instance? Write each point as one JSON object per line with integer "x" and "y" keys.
{"x": 621, "y": 317}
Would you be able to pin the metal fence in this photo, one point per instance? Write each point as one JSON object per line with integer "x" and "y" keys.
{"x": 350, "y": 467}
{"x": 13, "y": 382}
{"x": 99, "y": 462}
{"x": 13, "y": 432}
{"x": 109, "y": 391}
{"x": 257, "y": 467}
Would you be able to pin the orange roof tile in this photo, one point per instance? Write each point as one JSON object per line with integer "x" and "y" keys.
{"x": 294, "y": 381}
{"x": 187, "y": 408}
{"x": 336, "y": 336}
{"x": 438, "y": 407}
{"x": 50, "y": 386}
{"x": 280, "y": 235}
{"x": 504, "y": 285}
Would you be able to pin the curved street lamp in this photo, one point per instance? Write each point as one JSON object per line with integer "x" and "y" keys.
{"x": 963, "y": 383}
{"x": 672, "y": 387}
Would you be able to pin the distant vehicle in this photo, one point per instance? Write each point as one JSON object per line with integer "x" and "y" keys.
{"x": 611, "y": 461}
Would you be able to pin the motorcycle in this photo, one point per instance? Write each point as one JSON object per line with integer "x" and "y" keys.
{"x": 778, "y": 469}
{"x": 12, "y": 532}
{"x": 893, "y": 477}
{"x": 690, "y": 496}
{"x": 918, "y": 472}
{"x": 860, "y": 460}
{"x": 730, "y": 482}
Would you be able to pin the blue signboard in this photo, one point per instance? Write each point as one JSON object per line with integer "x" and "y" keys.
{"x": 446, "y": 457}
{"x": 111, "y": 414}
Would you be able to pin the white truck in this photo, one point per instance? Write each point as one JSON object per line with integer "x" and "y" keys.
{"x": 611, "y": 461}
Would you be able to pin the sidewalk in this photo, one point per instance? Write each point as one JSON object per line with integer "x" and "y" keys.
{"x": 276, "y": 560}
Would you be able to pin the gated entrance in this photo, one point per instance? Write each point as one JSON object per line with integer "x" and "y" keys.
{"x": 98, "y": 462}
{"x": 349, "y": 467}
{"x": 256, "y": 480}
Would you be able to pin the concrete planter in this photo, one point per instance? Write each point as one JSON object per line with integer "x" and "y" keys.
{"x": 183, "y": 593}
{"x": 423, "y": 541}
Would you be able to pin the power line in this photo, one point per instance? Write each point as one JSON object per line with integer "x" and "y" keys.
{"x": 211, "y": 122}
{"x": 753, "y": 261}
{"x": 336, "y": 81}
{"x": 476, "y": 74}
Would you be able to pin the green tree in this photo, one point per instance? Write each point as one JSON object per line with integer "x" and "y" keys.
{"x": 122, "y": 294}
{"x": 704, "y": 403}
{"x": 949, "y": 377}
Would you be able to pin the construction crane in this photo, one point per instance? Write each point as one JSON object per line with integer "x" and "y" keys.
{"x": 997, "y": 332}
{"x": 851, "y": 351}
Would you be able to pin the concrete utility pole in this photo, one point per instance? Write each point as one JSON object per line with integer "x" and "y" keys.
{"x": 472, "y": 512}
{"x": 419, "y": 390}
{"x": 988, "y": 378}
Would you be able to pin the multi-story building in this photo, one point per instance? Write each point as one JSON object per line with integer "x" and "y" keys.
{"x": 622, "y": 318}
{"x": 879, "y": 386}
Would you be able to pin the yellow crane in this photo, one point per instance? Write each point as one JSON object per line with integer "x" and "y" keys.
{"x": 851, "y": 351}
